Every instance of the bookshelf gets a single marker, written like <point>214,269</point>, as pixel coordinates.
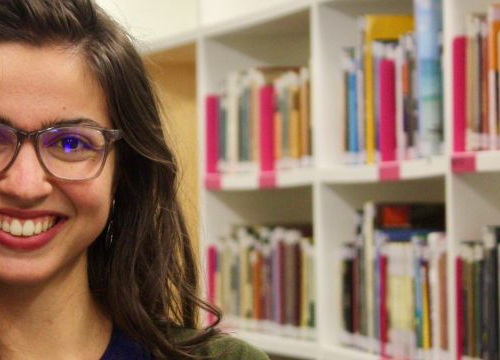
<point>327,194</point>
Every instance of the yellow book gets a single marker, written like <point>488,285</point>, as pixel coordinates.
<point>426,321</point>
<point>378,28</point>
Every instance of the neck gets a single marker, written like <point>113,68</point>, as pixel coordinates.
<point>58,319</point>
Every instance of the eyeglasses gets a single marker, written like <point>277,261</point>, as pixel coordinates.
<point>67,152</point>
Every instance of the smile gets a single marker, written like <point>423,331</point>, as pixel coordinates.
<point>27,227</point>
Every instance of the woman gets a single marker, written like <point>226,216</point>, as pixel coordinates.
<point>95,260</point>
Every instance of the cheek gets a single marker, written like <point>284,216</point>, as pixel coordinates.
<point>92,199</point>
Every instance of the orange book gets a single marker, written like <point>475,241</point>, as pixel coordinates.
<point>256,259</point>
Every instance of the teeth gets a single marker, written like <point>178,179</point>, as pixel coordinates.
<point>5,226</point>
<point>38,228</point>
<point>28,228</point>
<point>16,228</point>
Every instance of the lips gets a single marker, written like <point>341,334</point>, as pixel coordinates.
<point>31,230</point>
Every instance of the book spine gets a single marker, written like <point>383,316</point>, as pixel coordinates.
<point>493,73</point>
<point>305,115</point>
<point>428,18</point>
<point>266,128</point>
<point>352,112</point>
<point>387,110</point>
<point>459,314</point>
<point>212,138</point>
<point>459,93</point>
<point>232,121</point>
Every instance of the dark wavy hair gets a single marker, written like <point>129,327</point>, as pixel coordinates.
<point>146,278</point>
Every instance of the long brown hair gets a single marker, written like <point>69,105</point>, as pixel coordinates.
<point>142,268</point>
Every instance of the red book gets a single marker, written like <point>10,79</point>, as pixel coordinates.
<point>266,135</point>
<point>459,93</point>
<point>387,94</point>
<point>212,133</point>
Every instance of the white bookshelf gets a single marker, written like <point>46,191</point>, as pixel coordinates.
<point>313,32</point>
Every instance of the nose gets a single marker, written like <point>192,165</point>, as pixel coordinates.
<point>25,182</point>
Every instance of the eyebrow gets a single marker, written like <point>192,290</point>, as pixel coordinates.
<point>56,122</point>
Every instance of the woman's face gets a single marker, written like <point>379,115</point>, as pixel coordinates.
<point>41,87</point>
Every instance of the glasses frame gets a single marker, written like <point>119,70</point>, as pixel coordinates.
<point>110,136</point>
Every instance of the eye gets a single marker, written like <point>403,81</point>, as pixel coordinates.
<point>71,143</point>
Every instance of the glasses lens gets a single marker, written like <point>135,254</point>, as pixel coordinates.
<point>72,152</point>
<point>8,144</point>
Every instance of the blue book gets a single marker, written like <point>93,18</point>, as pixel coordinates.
<point>353,112</point>
<point>429,25</point>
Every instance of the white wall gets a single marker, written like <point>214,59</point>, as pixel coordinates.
<point>213,11</point>
<point>150,21</point>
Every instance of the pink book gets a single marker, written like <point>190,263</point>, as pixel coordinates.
<point>459,93</point>
<point>212,133</point>
<point>387,94</point>
<point>212,273</point>
<point>266,128</point>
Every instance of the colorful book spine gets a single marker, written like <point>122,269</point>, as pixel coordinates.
<point>266,134</point>
<point>387,95</point>
<point>378,27</point>
<point>428,25</point>
<point>493,73</point>
<point>212,136</point>
<point>459,93</point>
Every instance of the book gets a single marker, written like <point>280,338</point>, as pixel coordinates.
<point>387,84</point>
<point>266,134</point>
<point>438,292</point>
<point>212,133</point>
<point>493,73</point>
<point>377,27</point>
<point>428,29</point>
<point>490,238</point>
<point>459,93</point>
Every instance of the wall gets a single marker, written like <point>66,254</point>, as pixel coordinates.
<point>175,79</point>
<point>151,21</point>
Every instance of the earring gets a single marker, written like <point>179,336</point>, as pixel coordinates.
<point>109,230</point>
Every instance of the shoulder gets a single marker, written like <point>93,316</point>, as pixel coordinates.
<point>226,347</point>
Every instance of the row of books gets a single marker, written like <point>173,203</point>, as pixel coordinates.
<point>263,279</point>
<point>394,282</point>
<point>260,121</point>
<point>477,296</point>
<point>476,82</point>
<point>392,86</point>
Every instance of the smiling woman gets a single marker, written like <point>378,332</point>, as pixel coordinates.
<point>95,260</point>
